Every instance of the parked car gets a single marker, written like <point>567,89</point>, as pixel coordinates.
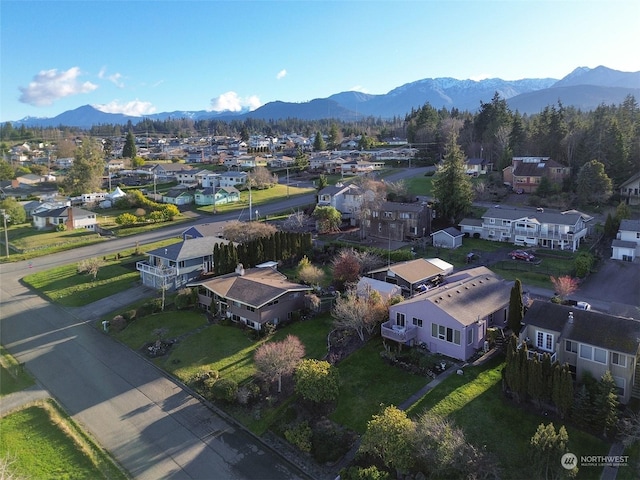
<point>583,305</point>
<point>522,255</point>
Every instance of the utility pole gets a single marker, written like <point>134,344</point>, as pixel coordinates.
<point>6,236</point>
<point>287,182</point>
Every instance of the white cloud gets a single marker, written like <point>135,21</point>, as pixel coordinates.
<point>232,102</point>
<point>281,74</point>
<point>115,78</point>
<point>50,85</point>
<point>135,108</point>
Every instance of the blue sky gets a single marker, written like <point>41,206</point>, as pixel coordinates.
<point>140,57</point>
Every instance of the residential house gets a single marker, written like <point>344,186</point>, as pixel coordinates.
<point>167,171</point>
<point>413,276</point>
<point>626,245</point>
<point>254,296</point>
<point>175,265</point>
<point>217,196</point>
<point>188,176</point>
<point>347,199</point>
<point>115,164</point>
<point>66,162</point>
<point>525,173</point>
<point>452,319</point>
<point>630,190</point>
<point>361,167</point>
<point>478,166</point>
<point>447,238</point>
<point>233,179</point>
<point>532,228</point>
<point>178,197</point>
<point>400,221</point>
<point>386,290</point>
<point>40,206</point>
<point>71,217</point>
<point>587,340</point>
<point>208,179</point>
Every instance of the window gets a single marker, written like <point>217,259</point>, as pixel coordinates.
<point>586,352</point>
<point>619,359</point>
<point>492,220</point>
<point>469,337</point>
<point>400,319</point>
<point>570,346</point>
<point>445,333</point>
<point>599,355</point>
<point>417,322</point>
<point>250,308</point>
<point>620,384</point>
<point>544,341</point>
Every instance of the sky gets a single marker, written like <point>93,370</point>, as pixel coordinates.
<point>140,57</point>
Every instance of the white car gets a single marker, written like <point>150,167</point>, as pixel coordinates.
<point>583,306</point>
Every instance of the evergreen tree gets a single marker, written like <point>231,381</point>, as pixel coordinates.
<point>452,186</point>
<point>516,308</point>
<point>593,184</point>
<point>606,403</point>
<point>129,148</point>
<point>318,142</point>
<point>535,381</point>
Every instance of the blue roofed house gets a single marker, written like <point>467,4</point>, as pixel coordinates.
<point>175,265</point>
<point>452,319</point>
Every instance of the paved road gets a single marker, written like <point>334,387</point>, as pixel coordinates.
<point>149,423</point>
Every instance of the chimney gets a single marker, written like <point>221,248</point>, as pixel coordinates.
<point>570,318</point>
<point>70,218</point>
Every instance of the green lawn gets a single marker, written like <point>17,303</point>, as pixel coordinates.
<point>47,444</point>
<point>366,383</point>
<point>420,185</point>
<point>13,377</point>
<point>141,331</point>
<point>474,401</point>
<point>258,197</point>
<point>67,287</point>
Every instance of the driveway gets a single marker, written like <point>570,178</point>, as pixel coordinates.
<point>615,282</point>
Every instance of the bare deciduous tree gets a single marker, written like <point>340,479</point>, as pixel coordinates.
<point>277,359</point>
<point>242,232</point>
<point>360,314</point>
<point>90,266</point>
<point>261,177</point>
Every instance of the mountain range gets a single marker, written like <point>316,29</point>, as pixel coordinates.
<point>584,88</point>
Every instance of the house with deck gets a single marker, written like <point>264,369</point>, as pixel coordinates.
<point>413,276</point>
<point>400,221</point>
<point>452,319</point>
<point>253,297</point>
<point>173,266</point>
<point>588,341</point>
<point>525,173</point>
<point>531,227</point>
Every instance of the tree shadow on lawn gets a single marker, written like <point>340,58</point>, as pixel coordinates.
<point>475,402</point>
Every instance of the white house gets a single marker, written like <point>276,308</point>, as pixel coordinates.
<point>231,179</point>
<point>630,190</point>
<point>347,199</point>
<point>71,217</point>
<point>626,246</point>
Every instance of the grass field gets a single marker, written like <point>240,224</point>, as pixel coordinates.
<point>42,442</point>
<point>474,401</point>
<point>64,285</point>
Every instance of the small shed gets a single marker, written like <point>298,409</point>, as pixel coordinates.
<point>447,238</point>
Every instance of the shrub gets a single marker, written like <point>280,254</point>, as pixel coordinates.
<point>300,436</point>
<point>583,264</point>
<point>225,389</point>
<point>364,473</point>
<point>129,315</point>
<point>118,323</point>
<point>329,442</point>
<point>247,393</point>
<point>202,375</point>
<point>185,298</point>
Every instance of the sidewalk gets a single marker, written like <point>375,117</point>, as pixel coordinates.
<point>16,400</point>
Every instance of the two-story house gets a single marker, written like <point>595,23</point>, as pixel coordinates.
<point>626,245</point>
<point>347,199</point>
<point>216,196</point>
<point>452,319</point>
<point>532,228</point>
<point>175,265</point>
<point>399,221</point>
<point>253,296</point>
<point>233,179</point>
<point>525,173</point>
<point>630,190</point>
<point>588,341</point>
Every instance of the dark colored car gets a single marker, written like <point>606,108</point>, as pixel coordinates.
<point>522,255</point>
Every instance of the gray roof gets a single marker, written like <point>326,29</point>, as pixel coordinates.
<point>511,213</point>
<point>472,222</point>
<point>623,243</point>
<point>188,249</point>
<point>630,225</point>
<point>451,231</point>
<point>481,293</point>
<point>590,327</point>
